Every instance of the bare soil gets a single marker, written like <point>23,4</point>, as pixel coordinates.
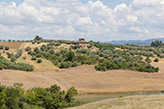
<point>12,45</point>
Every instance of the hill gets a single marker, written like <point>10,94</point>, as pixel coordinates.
<point>135,42</point>
<point>131,102</point>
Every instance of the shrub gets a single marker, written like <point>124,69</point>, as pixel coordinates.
<point>24,57</point>
<point>28,48</point>
<point>51,51</point>
<point>156,60</point>
<point>33,42</point>
<point>38,55</point>
<point>13,59</point>
<point>65,64</point>
<point>43,48</point>
<point>38,42</point>
<point>0,68</point>
<point>36,49</point>
<point>33,58</point>
<point>74,64</point>
<point>19,53</point>
<point>39,61</point>
<point>1,47</point>
<point>7,48</point>
<point>70,55</point>
<point>63,51</point>
<point>57,44</point>
<point>148,60</point>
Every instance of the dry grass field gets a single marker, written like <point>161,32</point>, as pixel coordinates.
<point>87,80</point>
<point>132,102</point>
<point>12,45</point>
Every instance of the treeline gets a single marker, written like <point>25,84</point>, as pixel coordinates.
<point>107,57</point>
<point>157,43</point>
<point>5,64</point>
<point>147,51</point>
<point>15,97</point>
<point>139,66</point>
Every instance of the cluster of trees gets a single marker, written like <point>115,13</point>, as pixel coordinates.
<point>15,97</point>
<point>16,56</point>
<point>4,48</point>
<point>157,43</point>
<point>148,51</point>
<point>64,58</point>
<point>103,46</point>
<point>5,64</point>
<point>138,66</point>
<point>116,59</point>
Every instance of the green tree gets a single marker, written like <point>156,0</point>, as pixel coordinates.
<point>70,93</point>
<point>70,55</point>
<point>37,38</point>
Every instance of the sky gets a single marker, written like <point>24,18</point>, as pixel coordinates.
<point>98,20</point>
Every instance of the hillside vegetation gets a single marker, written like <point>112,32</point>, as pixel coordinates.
<point>5,64</point>
<point>15,97</point>
<point>104,56</point>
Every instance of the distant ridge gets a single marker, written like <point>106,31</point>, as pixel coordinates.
<point>135,42</point>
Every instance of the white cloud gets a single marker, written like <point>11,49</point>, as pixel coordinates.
<point>72,19</point>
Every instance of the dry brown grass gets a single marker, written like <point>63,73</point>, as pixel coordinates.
<point>12,45</point>
<point>46,65</point>
<point>87,80</point>
<point>132,102</point>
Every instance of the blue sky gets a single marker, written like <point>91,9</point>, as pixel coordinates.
<point>110,3</point>
<point>102,20</point>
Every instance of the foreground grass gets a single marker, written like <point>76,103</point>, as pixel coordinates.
<point>132,102</point>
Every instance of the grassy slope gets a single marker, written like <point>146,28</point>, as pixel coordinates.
<point>131,102</point>
<point>85,78</point>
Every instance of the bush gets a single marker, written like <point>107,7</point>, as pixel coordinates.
<point>70,55</point>
<point>28,48</point>
<point>65,64</point>
<point>5,64</point>
<point>7,48</point>
<point>24,57</point>
<point>156,60</point>
<point>148,60</point>
<point>33,58</point>
<point>39,61</point>
<point>51,51</point>
<point>19,53</point>
<point>38,55</point>
<point>43,48</point>
<point>38,42</point>
<point>57,44</point>
<point>15,97</point>
<point>0,68</point>
<point>74,64</point>
<point>13,59</point>
<point>33,42</point>
<point>1,47</point>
